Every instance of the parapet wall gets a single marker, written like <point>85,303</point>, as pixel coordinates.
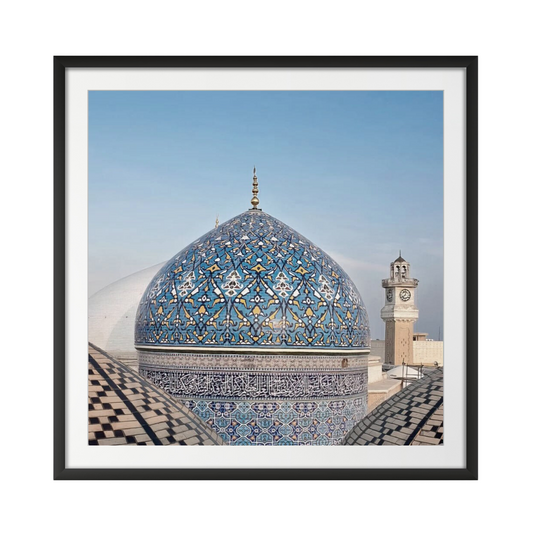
<point>377,350</point>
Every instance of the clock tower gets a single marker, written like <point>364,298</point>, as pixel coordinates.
<point>399,313</point>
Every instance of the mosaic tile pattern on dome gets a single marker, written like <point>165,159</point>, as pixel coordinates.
<point>252,282</point>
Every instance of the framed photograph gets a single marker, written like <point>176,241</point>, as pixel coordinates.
<point>265,268</point>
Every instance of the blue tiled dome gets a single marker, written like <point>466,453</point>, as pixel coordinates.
<point>253,282</point>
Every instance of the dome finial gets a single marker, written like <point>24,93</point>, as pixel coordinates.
<point>255,190</point>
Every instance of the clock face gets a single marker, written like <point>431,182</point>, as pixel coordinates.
<point>405,295</point>
<point>389,295</point>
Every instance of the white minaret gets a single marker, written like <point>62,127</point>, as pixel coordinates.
<point>399,313</point>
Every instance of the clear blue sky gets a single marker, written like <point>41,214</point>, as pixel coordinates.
<point>358,173</point>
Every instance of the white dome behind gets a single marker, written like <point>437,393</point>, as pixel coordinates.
<point>112,313</point>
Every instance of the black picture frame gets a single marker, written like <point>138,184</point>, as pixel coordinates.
<point>469,63</point>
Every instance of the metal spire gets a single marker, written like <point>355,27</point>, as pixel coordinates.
<point>255,190</point>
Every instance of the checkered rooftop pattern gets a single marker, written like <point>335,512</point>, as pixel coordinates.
<point>124,408</point>
<point>412,417</point>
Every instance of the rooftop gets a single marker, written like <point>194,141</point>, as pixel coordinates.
<point>124,408</point>
<point>413,416</point>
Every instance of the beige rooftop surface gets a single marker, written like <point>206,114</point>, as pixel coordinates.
<point>124,408</point>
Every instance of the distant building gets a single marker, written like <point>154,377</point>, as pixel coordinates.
<point>428,352</point>
<point>399,313</point>
<point>402,344</point>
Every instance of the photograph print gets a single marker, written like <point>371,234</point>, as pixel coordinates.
<point>265,268</point>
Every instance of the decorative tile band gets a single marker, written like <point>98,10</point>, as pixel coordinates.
<point>169,361</point>
<point>282,423</point>
<point>257,386</point>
